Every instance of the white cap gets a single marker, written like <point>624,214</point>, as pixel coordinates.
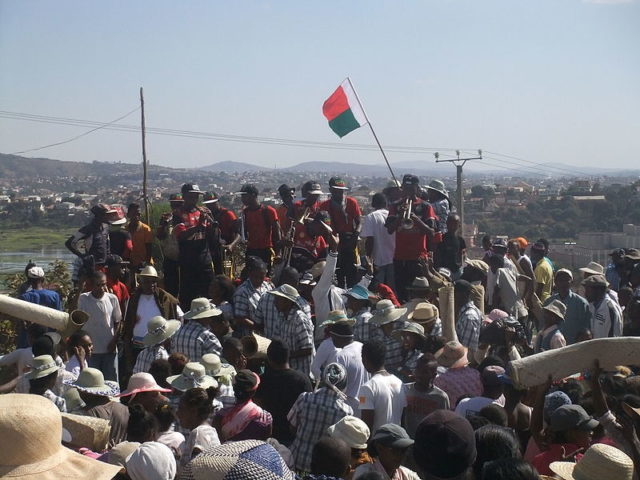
<point>151,460</point>
<point>35,272</point>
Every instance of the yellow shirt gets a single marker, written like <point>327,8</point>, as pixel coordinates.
<point>140,237</point>
<point>544,276</point>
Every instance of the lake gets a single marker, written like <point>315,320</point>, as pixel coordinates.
<point>13,262</point>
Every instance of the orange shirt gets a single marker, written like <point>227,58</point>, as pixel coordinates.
<point>140,237</point>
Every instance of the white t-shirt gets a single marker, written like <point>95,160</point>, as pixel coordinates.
<point>384,244</point>
<point>73,366</point>
<point>385,396</point>
<point>147,309</point>
<point>104,314</point>
<point>350,357</point>
<point>472,406</point>
<point>326,351</point>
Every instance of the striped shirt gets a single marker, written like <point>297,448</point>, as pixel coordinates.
<point>147,356</point>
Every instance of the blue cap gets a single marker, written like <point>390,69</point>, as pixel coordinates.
<point>359,292</point>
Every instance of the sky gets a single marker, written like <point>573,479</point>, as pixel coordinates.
<point>546,81</point>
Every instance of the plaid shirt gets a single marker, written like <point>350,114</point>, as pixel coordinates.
<point>312,413</point>
<point>393,359</point>
<point>410,359</point>
<point>267,315</point>
<point>296,331</point>
<point>245,301</point>
<point>147,356</point>
<point>468,326</point>
<point>364,330</point>
<point>194,340</point>
<point>57,401</point>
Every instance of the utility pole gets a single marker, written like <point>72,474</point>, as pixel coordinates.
<point>145,198</point>
<point>459,163</point>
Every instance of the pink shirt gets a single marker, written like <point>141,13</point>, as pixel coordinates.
<point>457,382</point>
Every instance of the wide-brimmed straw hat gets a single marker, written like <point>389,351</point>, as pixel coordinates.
<point>86,432</point>
<point>142,382</point>
<point>410,327</point>
<point>452,355</point>
<point>193,376</point>
<point>148,271</point>
<point>286,291</point>
<point>593,268</point>
<point>478,264</point>
<point>338,316</point>
<point>599,462</point>
<point>92,381</point>
<point>159,329</point>
<point>386,312</point>
<point>352,430</point>
<point>31,429</point>
<point>42,366</point>
<point>438,186</point>
<point>424,313</point>
<point>213,366</point>
<point>202,308</point>
<point>419,283</point>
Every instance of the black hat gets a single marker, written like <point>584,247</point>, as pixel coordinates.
<point>445,445</point>
<point>115,260</point>
<point>284,188</point>
<point>102,209</point>
<point>248,189</point>
<point>392,435</point>
<point>499,243</point>
<point>462,286</point>
<point>571,417</point>
<point>312,188</point>
<point>409,179</point>
<point>191,188</point>
<point>342,329</point>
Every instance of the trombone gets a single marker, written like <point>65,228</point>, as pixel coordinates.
<point>407,223</point>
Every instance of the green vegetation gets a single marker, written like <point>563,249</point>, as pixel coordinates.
<point>16,239</point>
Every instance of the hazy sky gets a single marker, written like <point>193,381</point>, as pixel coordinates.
<point>545,80</point>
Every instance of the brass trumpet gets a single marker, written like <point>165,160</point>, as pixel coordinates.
<point>407,223</point>
<point>305,215</point>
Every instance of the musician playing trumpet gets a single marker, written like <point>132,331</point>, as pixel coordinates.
<point>413,222</point>
<point>227,226</point>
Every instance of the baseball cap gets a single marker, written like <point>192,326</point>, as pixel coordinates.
<point>190,188</point>
<point>522,242</point>
<point>312,188</point>
<point>284,188</point>
<point>210,197</point>
<point>339,183</point>
<point>409,179</point>
<point>392,435</point>
<point>500,243</point>
<point>566,271</point>
<point>572,417</point>
<point>176,197</point>
<point>102,209</point>
<point>115,260</point>
<point>248,189</point>
<point>492,375</point>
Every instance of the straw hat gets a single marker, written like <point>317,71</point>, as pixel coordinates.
<point>338,316</point>
<point>419,283</point>
<point>386,312</point>
<point>193,376</point>
<point>159,329</point>
<point>558,308</point>
<point>286,291</point>
<point>352,430</point>
<point>31,429</point>
<point>91,380</point>
<point>88,432</point>
<point>452,355</point>
<point>424,312</point>
<point>73,400</point>
<point>478,264</point>
<point>148,271</point>
<point>213,366</point>
<point>142,382</point>
<point>599,462</point>
<point>438,186</point>
<point>593,268</point>
<point>42,366</point>
<point>412,327</point>
<point>202,308</point>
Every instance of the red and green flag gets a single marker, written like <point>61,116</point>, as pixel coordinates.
<point>343,110</point>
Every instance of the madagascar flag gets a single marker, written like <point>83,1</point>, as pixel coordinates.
<point>343,110</point>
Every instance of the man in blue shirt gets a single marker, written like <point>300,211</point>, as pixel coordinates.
<point>38,294</point>
<point>577,319</point>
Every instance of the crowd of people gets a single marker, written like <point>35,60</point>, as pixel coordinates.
<point>342,345</point>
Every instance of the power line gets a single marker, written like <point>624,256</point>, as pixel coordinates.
<point>77,136</point>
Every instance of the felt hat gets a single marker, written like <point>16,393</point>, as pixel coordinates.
<point>238,460</point>
<point>595,281</point>
<point>386,312</point>
<point>410,327</point>
<point>478,264</point>
<point>142,382</point>
<point>452,355</point>
<point>419,283</point>
<point>151,460</point>
<point>86,432</point>
<point>114,259</point>
<point>213,366</point>
<point>599,461</point>
<point>392,435</point>
<point>31,429</point>
<point>338,183</point>
<point>193,376</point>
<point>593,268</point>
<point>202,308</point>
<point>556,307</point>
<point>148,271</point>
<point>338,316</point>
<point>352,430</point>
<point>424,313</point>
<point>210,197</point>
<point>92,381</point>
<point>35,272</point>
<point>159,329</point>
<point>317,268</point>
<point>438,186</point>
<point>286,291</point>
<point>358,292</point>
<point>42,366</point>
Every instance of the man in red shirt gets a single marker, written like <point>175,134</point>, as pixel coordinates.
<point>306,208</point>
<point>261,226</point>
<point>411,237</point>
<point>311,248</point>
<point>227,228</point>
<point>345,215</point>
<point>115,272</point>
<point>286,209</point>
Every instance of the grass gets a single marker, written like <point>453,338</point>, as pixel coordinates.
<point>19,239</point>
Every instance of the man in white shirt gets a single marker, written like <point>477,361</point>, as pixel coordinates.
<point>103,325</point>
<point>382,399</point>
<point>606,318</point>
<point>379,243</point>
<point>493,388</point>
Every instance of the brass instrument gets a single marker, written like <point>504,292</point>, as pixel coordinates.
<point>228,268</point>
<point>305,215</point>
<point>243,230</point>
<point>407,223</point>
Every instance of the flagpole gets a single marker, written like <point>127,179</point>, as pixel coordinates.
<point>372,130</point>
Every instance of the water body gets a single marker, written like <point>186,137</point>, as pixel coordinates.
<point>12,262</point>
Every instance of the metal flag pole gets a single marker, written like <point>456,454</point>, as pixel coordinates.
<point>372,130</point>
<point>144,159</point>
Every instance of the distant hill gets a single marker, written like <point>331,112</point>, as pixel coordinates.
<point>234,167</point>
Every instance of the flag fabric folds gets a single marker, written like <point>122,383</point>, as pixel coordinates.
<point>343,110</point>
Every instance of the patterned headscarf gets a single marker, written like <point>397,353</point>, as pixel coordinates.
<point>335,378</point>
